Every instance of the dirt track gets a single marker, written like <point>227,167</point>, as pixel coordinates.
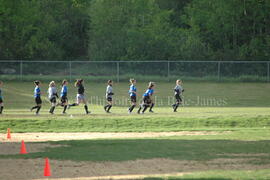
<point>41,137</point>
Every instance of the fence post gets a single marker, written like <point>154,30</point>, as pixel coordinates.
<point>219,70</point>
<point>168,74</point>
<point>21,70</point>
<point>117,75</point>
<point>268,73</point>
<point>70,73</point>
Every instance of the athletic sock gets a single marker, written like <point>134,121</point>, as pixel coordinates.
<point>145,107</point>
<point>35,107</point>
<point>110,106</point>
<point>65,108</point>
<point>131,108</point>
<point>52,109</point>
<point>39,107</point>
<point>152,105</point>
<point>175,107</point>
<point>139,110</point>
<point>86,109</point>
<point>1,109</point>
<point>105,107</point>
<point>74,104</point>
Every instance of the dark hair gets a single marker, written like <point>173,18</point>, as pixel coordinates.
<point>132,81</point>
<point>37,82</point>
<point>78,82</point>
<point>64,81</point>
<point>110,81</point>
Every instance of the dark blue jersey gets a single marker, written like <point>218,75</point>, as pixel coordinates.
<point>64,91</point>
<point>37,92</point>
<point>0,93</point>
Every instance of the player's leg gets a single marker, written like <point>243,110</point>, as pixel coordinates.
<point>53,105</point>
<point>133,103</point>
<point>1,106</point>
<point>83,100</point>
<point>109,99</point>
<point>39,103</point>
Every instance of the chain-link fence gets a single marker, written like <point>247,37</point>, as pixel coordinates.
<point>143,70</point>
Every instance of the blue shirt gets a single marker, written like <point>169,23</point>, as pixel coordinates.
<point>37,92</point>
<point>132,89</point>
<point>0,93</point>
<point>64,91</point>
<point>148,92</point>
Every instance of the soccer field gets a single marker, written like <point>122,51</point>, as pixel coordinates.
<point>227,141</point>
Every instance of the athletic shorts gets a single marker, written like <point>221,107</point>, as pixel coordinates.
<point>178,98</point>
<point>1,100</point>
<point>38,100</point>
<point>133,99</point>
<point>109,99</point>
<point>53,100</point>
<point>80,98</point>
<point>64,99</point>
<point>147,100</point>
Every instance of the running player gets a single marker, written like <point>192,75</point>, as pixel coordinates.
<point>52,95</point>
<point>63,95</point>
<point>178,90</point>
<point>147,98</point>
<point>109,94</point>
<point>1,98</point>
<point>133,95</point>
<point>80,96</point>
<point>37,95</point>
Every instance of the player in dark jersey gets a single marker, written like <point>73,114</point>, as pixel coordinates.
<point>109,94</point>
<point>80,96</point>
<point>1,98</point>
<point>63,95</point>
<point>147,98</point>
<point>133,95</point>
<point>178,90</point>
<point>37,95</point>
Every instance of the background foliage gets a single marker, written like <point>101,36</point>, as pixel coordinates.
<point>135,29</point>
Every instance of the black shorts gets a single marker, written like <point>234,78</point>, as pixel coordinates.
<point>1,100</point>
<point>178,98</point>
<point>133,99</point>
<point>147,100</point>
<point>53,100</point>
<point>109,99</point>
<point>38,100</point>
<point>64,99</point>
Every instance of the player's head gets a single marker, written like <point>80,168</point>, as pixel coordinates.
<point>64,82</point>
<point>78,82</point>
<point>178,81</point>
<point>151,85</point>
<point>1,83</point>
<point>52,84</point>
<point>110,82</point>
<point>37,82</point>
<point>132,81</point>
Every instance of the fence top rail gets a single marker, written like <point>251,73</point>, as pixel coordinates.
<point>162,61</point>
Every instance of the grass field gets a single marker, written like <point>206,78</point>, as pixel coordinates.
<point>238,112</point>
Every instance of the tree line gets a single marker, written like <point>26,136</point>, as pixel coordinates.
<point>135,30</point>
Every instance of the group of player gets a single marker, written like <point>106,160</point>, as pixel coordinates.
<point>147,99</point>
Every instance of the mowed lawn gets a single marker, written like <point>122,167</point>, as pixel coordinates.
<point>240,109</point>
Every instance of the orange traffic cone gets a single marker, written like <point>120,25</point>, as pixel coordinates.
<point>23,148</point>
<point>8,134</point>
<point>47,171</point>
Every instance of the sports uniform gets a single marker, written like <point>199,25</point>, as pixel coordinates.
<point>109,93</point>
<point>64,99</point>
<point>38,100</point>
<point>147,102</point>
<point>80,96</point>
<point>177,94</point>
<point>133,97</point>
<point>52,95</point>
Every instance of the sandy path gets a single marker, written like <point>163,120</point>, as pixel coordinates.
<point>39,137</point>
